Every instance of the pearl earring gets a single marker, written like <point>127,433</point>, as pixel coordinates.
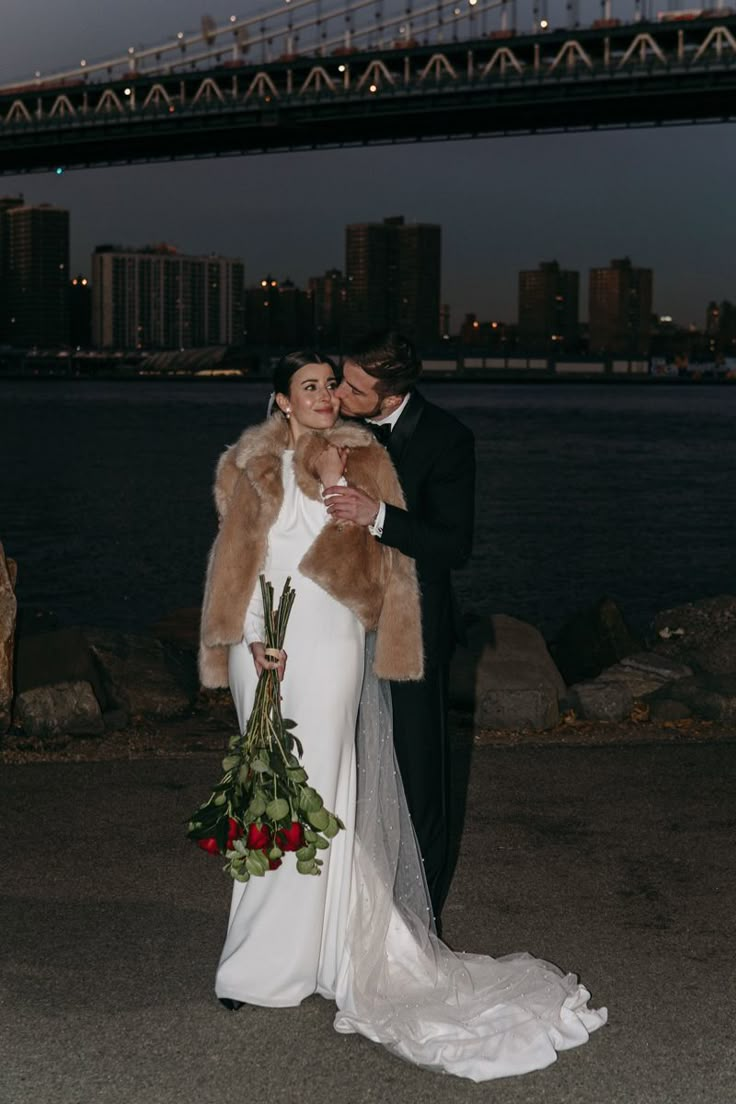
<point>287,413</point>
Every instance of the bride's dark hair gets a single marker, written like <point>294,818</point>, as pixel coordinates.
<point>291,363</point>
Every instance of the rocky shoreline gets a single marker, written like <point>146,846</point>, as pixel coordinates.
<point>85,693</point>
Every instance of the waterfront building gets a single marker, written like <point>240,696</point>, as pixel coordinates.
<point>394,273</point>
<point>80,312</point>
<point>158,298</point>
<point>277,314</point>
<point>720,328</point>
<point>34,266</point>
<point>328,299</point>
<point>620,307</point>
<point>7,203</point>
<point>548,309</point>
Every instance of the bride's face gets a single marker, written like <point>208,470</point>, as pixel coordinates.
<point>311,402</point>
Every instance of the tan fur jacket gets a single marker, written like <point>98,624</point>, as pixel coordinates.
<point>376,582</point>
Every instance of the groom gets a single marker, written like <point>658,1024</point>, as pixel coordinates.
<point>434,456</point>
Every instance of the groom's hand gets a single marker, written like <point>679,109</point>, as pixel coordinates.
<point>350,504</point>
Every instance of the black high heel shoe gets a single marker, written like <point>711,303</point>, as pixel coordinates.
<point>231,1005</point>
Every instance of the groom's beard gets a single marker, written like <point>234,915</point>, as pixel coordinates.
<point>362,414</point>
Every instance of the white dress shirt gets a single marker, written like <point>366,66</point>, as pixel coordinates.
<point>390,420</point>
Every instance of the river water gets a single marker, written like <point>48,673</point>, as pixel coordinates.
<point>583,490</point>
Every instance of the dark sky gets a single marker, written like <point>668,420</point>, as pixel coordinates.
<point>664,197</point>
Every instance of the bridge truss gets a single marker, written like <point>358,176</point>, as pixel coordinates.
<point>291,81</point>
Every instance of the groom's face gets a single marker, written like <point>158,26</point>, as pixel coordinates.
<point>358,393</point>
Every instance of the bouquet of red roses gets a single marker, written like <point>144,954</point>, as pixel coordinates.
<point>263,806</point>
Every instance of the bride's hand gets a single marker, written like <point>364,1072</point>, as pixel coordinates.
<point>267,663</point>
<point>331,465</point>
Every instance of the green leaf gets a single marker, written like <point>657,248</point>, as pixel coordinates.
<point>277,809</point>
<point>321,843</point>
<point>297,774</point>
<point>309,800</point>
<point>220,799</point>
<point>253,866</point>
<point>332,827</point>
<point>275,853</point>
<point>308,867</point>
<point>260,764</point>
<point>319,819</point>
<point>230,761</point>
<point>306,853</point>
<point>256,808</point>
<point>287,724</point>
<point>245,877</point>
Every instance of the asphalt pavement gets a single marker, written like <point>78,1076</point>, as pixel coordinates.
<point>617,863</point>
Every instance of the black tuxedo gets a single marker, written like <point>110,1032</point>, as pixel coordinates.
<point>434,455</point>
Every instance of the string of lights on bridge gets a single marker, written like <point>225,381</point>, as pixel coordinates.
<point>291,28</point>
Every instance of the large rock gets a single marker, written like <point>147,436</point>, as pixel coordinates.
<point>142,675</point>
<point>644,673</point>
<point>712,697</point>
<point>180,627</point>
<point>45,659</point>
<point>68,708</point>
<point>8,613</point>
<point>701,634</point>
<point>506,676</point>
<point>593,640</point>
<point>601,699</point>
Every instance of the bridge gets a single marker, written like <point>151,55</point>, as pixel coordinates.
<point>318,74</point>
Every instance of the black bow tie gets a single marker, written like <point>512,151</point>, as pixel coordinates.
<point>381,431</point>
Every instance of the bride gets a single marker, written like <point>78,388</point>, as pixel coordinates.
<point>364,931</point>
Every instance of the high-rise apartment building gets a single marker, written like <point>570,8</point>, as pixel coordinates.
<point>620,306</point>
<point>277,314</point>
<point>34,272</point>
<point>548,308</point>
<point>7,203</point>
<point>158,298</point>
<point>393,272</point>
<point>328,298</point>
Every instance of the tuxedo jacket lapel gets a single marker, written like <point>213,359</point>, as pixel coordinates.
<point>403,431</point>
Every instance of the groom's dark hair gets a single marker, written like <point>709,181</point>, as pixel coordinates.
<point>391,359</point>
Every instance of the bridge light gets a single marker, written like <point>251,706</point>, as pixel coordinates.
<point>59,170</point>
<point>127,91</point>
<point>341,68</point>
<point>180,35</point>
<point>472,3</point>
<point>543,24</point>
<point>83,63</point>
<point>131,49</point>
<point>373,88</point>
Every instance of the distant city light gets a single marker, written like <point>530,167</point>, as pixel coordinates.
<point>58,170</point>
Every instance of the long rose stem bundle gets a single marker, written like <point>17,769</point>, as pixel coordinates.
<point>262,807</point>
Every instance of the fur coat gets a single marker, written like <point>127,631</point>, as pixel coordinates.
<point>376,582</point>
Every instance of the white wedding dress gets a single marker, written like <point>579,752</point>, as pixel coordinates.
<point>361,934</point>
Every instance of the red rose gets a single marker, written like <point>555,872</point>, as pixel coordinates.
<point>209,845</point>
<point>274,864</point>
<point>258,838</point>
<point>234,831</point>
<point>291,838</point>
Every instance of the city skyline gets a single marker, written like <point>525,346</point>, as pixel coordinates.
<point>656,195</point>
